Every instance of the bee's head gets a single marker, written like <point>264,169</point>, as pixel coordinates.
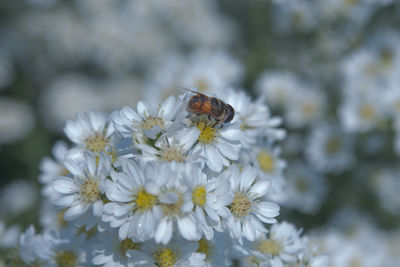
<point>230,113</point>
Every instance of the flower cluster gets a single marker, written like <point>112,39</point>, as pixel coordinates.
<point>164,186</point>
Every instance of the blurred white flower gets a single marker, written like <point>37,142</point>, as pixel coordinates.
<point>16,197</point>
<point>16,120</point>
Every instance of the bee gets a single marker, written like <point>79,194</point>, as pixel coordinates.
<point>215,108</point>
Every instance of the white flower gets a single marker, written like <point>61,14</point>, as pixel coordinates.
<point>84,189</point>
<point>134,206</point>
<point>306,189</point>
<point>208,198</point>
<point>178,253</point>
<point>16,120</point>
<point>91,131</point>
<point>248,213</point>
<point>329,149</point>
<point>217,146</point>
<point>176,148</point>
<point>172,202</point>
<point>277,87</point>
<point>255,117</point>
<point>147,121</point>
<point>62,248</point>
<point>51,168</point>
<point>306,107</point>
<point>27,245</point>
<point>109,250</point>
<point>282,245</point>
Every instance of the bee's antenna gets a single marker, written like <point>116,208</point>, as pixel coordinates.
<point>194,92</point>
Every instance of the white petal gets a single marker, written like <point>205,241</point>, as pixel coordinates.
<point>260,188</point>
<point>65,201</point>
<point>75,211</point>
<point>187,227</point>
<point>65,186</point>
<point>164,232</point>
<point>73,167</point>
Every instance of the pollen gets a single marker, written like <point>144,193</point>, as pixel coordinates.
<point>207,133</point>
<point>90,190</point>
<point>165,257</point>
<point>270,247</point>
<point>144,200</point>
<point>96,143</point>
<point>151,122</point>
<point>127,244</point>
<point>309,108</point>
<point>66,258</point>
<point>240,206</point>
<point>199,195</point>
<point>266,161</point>
<point>172,154</point>
<point>173,209</point>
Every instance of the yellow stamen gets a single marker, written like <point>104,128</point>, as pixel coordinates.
<point>66,259</point>
<point>240,206</point>
<point>199,196</point>
<point>128,244</point>
<point>90,191</point>
<point>165,257</point>
<point>96,143</point>
<point>144,200</point>
<point>266,161</point>
<point>207,133</point>
<point>270,247</point>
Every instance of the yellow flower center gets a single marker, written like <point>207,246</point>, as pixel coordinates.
<point>144,200</point>
<point>333,145</point>
<point>240,206</point>
<point>151,122</point>
<point>90,191</point>
<point>367,111</point>
<point>207,133</point>
<point>172,154</point>
<point>266,161</point>
<point>173,209</point>
<point>270,247</point>
<point>165,257</point>
<point>96,143</point>
<point>204,247</point>
<point>199,195</point>
<point>127,244</point>
<point>66,259</point>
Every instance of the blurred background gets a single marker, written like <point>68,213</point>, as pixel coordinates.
<point>329,68</point>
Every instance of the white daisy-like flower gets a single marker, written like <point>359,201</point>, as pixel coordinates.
<point>51,168</point>
<point>134,206</point>
<point>310,255</point>
<point>255,117</point>
<point>362,113</point>
<point>90,131</point>
<point>27,246</point>
<point>277,87</point>
<point>218,251</point>
<point>282,245</point>
<point>177,148</point>
<point>306,106</point>
<point>329,149</point>
<point>266,157</point>
<point>110,250</point>
<point>217,146</point>
<point>172,202</point>
<point>147,121</point>
<point>306,188</point>
<point>177,253</point>
<point>62,248</point>
<point>248,213</point>
<point>208,198</point>
<point>83,192</point>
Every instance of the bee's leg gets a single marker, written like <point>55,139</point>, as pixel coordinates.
<point>216,123</point>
